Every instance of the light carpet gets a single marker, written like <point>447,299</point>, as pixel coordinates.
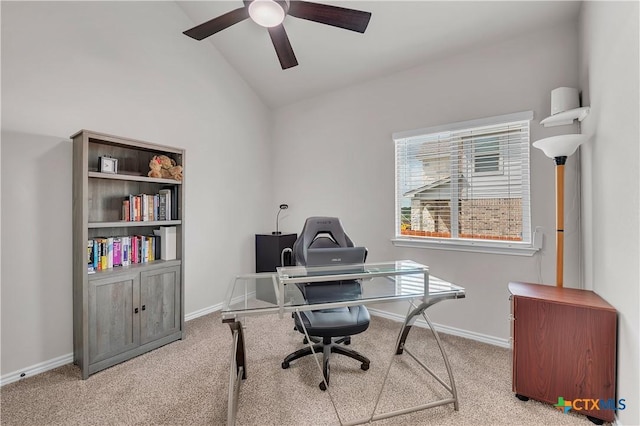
<point>186,383</point>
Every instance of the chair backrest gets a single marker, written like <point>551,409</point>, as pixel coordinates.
<point>319,232</point>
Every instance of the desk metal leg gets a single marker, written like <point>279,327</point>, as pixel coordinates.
<point>408,322</point>
<point>237,370</point>
<point>400,348</point>
<point>451,389</point>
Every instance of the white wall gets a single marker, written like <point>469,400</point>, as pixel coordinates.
<point>335,157</point>
<point>609,80</point>
<point>123,68</point>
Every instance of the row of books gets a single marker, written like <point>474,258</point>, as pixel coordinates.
<point>150,207</point>
<point>109,252</point>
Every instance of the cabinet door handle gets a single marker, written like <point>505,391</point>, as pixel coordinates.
<point>144,307</point>
<point>135,311</point>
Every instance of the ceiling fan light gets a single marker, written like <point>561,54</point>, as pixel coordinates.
<point>266,13</point>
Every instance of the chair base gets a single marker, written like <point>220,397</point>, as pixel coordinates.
<point>327,347</point>
<point>346,340</point>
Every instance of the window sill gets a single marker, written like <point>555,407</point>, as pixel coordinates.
<point>492,247</point>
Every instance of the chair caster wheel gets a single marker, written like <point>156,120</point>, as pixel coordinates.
<point>322,386</point>
<point>365,366</point>
<point>305,341</point>
<point>285,365</point>
<point>347,341</point>
<point>522,397</point>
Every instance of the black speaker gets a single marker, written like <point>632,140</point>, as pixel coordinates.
<point>268,251</point>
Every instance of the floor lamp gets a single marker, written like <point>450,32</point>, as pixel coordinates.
<point>559,148</point>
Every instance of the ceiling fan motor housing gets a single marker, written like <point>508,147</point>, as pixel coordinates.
<point>284,4</point>
<point>271,13</point>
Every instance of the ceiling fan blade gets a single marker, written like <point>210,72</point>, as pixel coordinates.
<point>283,47</point>
<point>349,19</point>
<point>211,27</point>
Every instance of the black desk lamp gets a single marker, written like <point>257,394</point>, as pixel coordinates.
<point>282,207</point>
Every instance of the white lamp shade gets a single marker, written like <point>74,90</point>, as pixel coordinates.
<point>266,13</point>
<point>560,146</point>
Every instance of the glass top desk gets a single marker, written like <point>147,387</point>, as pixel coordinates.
<point>277,293</point>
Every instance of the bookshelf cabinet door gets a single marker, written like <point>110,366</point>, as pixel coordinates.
<point>160,303</point>
<point>114,327</point>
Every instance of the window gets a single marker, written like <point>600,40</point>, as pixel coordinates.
<point>486,155</point>
<point>465,185</point>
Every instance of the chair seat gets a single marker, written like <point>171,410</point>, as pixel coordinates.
<point>334,322</point>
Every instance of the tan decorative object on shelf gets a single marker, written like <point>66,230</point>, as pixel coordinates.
<point>164,167</point>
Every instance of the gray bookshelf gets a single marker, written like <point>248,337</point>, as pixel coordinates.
<point>124,311</point>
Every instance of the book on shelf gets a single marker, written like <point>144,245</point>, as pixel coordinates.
<point>110,252</point>
<point>90,255</point>
<point>125,250</point>
<point>162,206</point>
<point>136,208</point>
<point>105,253</point>
<point>133,250</point>
<point>96,255</point>
<point>156,207</point>
<point>158,250</point>
<point>126,211</point>
<point>167,194</point>
<point>174,204</point>
<point>144,207</point>
<point>151,241</point>
<point>132,208</point>
<point>117,251</point>
<point>150,207</point>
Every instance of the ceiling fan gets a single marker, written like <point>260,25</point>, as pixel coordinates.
<point>271,13</point>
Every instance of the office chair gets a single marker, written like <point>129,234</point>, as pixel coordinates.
<point>328,327</point>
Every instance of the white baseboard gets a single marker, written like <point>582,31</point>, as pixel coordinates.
<point>67,359</point>
<point>203,311</point>
<point>36,369</point>
<point>492,340</point>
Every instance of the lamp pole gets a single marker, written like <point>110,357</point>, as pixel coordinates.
<point>560,161</point>
<point>559,148</point>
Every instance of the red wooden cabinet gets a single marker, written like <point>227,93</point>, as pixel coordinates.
<point>564,345</point>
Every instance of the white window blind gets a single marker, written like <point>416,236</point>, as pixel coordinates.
<point>466,182</point>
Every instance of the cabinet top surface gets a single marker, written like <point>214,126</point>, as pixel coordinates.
<point>568,296</point>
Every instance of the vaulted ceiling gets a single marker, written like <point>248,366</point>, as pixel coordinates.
<point>401,35</point>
